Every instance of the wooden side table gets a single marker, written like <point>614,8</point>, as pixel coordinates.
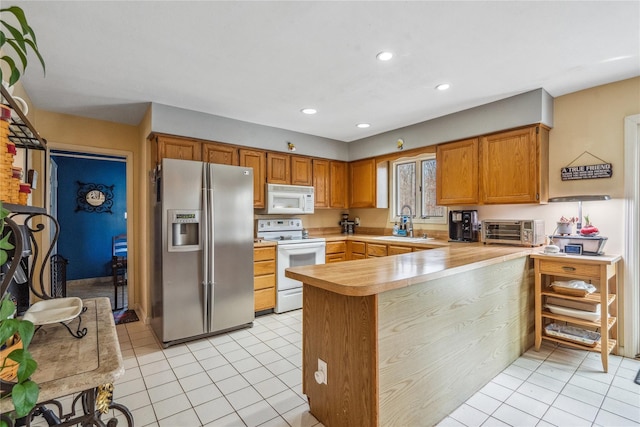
<point>602,272</point>
<point>84,367</point>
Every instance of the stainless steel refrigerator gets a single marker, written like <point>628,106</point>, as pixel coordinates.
<point>202,275</point>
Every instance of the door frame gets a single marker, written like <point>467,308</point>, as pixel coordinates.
<point>631,286</point>
<point>131,245</point>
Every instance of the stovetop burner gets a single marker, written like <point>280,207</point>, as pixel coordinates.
<point>283,231</point>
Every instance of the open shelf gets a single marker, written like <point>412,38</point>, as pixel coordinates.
<point>21,131</point>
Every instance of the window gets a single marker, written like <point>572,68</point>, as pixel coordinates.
<point>414,185</point>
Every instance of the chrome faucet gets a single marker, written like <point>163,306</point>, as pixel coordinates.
<point>410,229</point>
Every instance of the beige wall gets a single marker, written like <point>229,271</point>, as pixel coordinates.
<point>87,135</point>
<point>592,121</point>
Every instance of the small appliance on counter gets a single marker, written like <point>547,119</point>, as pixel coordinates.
<point>348,227</point>
<point>463,226</point>
<point>518,232</point>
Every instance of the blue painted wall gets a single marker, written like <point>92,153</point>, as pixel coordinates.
<point>85,237</point>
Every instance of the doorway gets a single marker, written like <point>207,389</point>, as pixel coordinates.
<point>89,200</point>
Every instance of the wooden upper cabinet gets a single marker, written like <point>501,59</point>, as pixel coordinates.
<point>321,183</point>
<point>255,159</point>
<point>338,184</point>
<point>278,168</point>
<point>170,147</point>
<point>301,171</point>
<point>362,178</point>
<point>457,178</point>
<point>220,153</point>
<point>514,166</point>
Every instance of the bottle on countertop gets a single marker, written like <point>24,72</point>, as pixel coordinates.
<point>395,229</point>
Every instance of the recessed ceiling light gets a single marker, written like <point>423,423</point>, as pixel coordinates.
<point>443,86</point>
<point>309,110</point>
<point>363,125</point>
<point>384,56</point>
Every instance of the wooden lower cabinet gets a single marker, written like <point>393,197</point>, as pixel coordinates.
<point>356,250</point>
<point>376,250</point>
<point>336,252</point>
<point>264,277</point>
<point>397,250</point>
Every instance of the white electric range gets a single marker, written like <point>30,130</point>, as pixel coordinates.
<point>295,249</point>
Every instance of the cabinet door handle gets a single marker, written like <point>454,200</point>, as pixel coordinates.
<point>567,268</point>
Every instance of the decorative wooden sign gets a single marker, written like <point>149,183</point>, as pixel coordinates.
<point>595,171</point>
<point>602,170</point>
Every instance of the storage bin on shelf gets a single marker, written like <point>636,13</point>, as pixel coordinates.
<point>7,153</point>
<point>23,195</point>
<point>573,334</point>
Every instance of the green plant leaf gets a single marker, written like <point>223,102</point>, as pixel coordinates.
<point>4,242</point>
<point>17,36</point>
<point>34,46</point>
<point>20,51</point>
<point>19,14</point>
<point>27,365</point>
<point>8,327</point>
<point>24,397</point>
<point>26,330</point>
<point>7,307</point>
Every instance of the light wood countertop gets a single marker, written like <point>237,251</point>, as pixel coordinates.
<point>400,241</point>
<point>376,275</point>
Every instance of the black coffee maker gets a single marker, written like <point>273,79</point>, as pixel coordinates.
<point>463,226</point>
<point>348,227</point>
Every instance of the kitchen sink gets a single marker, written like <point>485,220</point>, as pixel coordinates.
<point>404,239</point>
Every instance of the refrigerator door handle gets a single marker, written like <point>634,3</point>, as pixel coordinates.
<point>205,247</point>
<point>210,240</point>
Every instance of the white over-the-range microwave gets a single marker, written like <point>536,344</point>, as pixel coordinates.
<point>289,199</point>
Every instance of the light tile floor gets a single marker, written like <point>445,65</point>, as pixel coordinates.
<point>252,377</point>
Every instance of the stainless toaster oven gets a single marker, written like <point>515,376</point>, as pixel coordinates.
<point>520,232</point>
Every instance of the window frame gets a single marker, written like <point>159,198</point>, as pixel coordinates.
<point>393,196</point>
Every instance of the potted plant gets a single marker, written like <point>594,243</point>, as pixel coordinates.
<point>17,38</point>
<point>16,363</point>
<point>565,225</point>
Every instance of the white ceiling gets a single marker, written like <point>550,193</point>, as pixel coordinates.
<point>264,61</point>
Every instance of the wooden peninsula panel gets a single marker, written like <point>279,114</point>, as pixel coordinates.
<point>345,339</point>
<point>440,342</point>
<point>409,338</point>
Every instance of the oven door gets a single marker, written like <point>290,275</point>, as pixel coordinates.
<point>295,255</point>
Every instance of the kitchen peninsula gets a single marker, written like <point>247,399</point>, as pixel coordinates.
<point>408,338</point>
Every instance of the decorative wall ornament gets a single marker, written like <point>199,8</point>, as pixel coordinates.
<point>94,197</point>
<point>600,170</point>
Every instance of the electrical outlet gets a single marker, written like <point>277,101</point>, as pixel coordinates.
<point>321,373</point>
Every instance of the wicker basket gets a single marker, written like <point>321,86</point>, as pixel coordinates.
<point>9,368</point>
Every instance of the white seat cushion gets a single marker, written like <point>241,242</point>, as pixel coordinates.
<point>54,311</point>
